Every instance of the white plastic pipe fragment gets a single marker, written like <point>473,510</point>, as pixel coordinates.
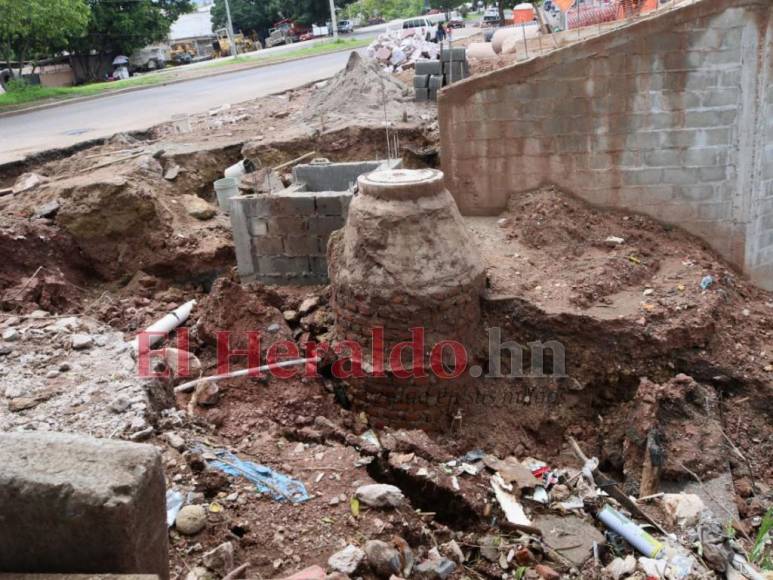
<point>159,329</point>
<point>632,533</point>
<point>185,387</point>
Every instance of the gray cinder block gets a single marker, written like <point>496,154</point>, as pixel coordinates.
<point>453,54</point>
<point>428,67</point>
<point>422,94</point>
<point>70,503</point>
<point>436,82</point>
<point>420,81</point>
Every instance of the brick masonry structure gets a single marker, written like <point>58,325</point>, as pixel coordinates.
<point>405,260</point>
<point>671,116</point>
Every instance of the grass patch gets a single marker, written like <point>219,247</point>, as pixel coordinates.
<point>21,94</point>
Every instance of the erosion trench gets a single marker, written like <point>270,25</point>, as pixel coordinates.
<point>478,392</point>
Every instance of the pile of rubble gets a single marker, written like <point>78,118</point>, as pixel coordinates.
<point>395,51</point>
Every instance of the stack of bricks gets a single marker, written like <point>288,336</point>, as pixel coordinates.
<point>282,238</point>
<point>432,75</point>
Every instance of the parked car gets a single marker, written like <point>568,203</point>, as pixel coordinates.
<point>345,26</point>
<point>374,21</point>
<point>412,25</point>
<point>456,22</point>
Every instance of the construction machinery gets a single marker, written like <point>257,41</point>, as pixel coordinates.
<point>222,44</point>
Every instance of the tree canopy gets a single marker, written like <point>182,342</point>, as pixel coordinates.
<point>260,15</point>
<point>122,26</point>
<point>33,29</point>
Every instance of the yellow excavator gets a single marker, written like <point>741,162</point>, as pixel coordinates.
<point>222,45</point>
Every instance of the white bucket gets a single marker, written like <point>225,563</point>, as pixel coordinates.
<point>225,189</point>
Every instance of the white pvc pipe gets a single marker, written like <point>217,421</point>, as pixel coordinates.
<point>185,387</point>
<point>165,325</point>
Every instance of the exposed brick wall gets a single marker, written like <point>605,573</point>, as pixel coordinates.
<point>282,237</point>
<point>666,116</point>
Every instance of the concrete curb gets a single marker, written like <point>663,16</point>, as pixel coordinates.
<point>108,93</point>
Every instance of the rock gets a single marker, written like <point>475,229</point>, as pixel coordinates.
<point>572,536</point>
<point>435,569</point>
<point>172,173</point>
<point>220,559</point>
<point>347,560</point>
<point>198,208</point>
<point>120,404</point>
<point>142,434</point>
<point>28,181</point>
<point>310,573</point>
<point>620,567</point>
<point>22,403</point>
<point>174,441</point>
<point>489,548</point>
<point>5,349</point>
<point>290,315</point>
<point>200,573</point>
<point>384,560</point>
<point>380,495</point>
<point>308,305</point>
<point>546,572</point>
<point>453,551</point>
<point>47,210</point>
<point>190,520</point>
<point>683,509</point>
<point>11,335</point>
<point>82,341</point>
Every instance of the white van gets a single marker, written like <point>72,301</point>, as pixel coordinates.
<point>410,26</point>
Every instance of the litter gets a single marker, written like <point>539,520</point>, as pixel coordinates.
<point>706,282</point>
<point>159,329</point>
<point>279,486</point>
<point>632,533</point>
<point>174,503</point>
<point>513,510</point>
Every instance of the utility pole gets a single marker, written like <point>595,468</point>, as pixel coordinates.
<point>231,40</point>
<point>333,22</point>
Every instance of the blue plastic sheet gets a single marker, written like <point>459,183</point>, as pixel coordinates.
<point>279,486</point>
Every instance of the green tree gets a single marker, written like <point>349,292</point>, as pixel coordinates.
<point>121,27</point>
<point>32,29</point>
<point>387,9</point>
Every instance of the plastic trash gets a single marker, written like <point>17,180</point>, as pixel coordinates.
<point>632,533</point>
<point>279,486</point>
<point>174,503</point>
<point>706,282</point>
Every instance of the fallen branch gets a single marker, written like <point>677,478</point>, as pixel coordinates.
<point>185,387</point>
<point>27,283</point>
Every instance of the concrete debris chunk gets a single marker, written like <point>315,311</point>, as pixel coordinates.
<point>347,560</point>
<point>116,489</point>
<point>380,495</point>
<point>220,559</point>
<point>27,181</point>
<point>435,569</point>
<point>82,341</point>
<point>198,208</point>
<point>683,509</point>
<point>11,335</point>
<point>572,536</point>
<point>621,567</point>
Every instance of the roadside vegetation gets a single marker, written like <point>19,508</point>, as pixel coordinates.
<point>21,93</point>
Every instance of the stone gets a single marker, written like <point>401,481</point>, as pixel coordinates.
<point>308,305</point>
<point>11,335</point>
<point>47,210</point>
<point>116,489</point>
<point>200,573</point>
<point>174,441</point>
<point>82,341</point>
<point>621,567</point>
<point>28,181</point>
<point>683,509</point>
<point>546,572</point>
<point>310,573</point>
<point>5,349</point>
<point>435,569</point>
<point>383,559</point>
<point>572,536</point>
<point>380,495</point>
<point>22,404</point>
<point>453,551</point>
<point>198,208</point>
<point>172,173</point>
<point>120,404</point>
<point>290,315</point>
<point>190,520</point>
<point>489,548</point>
<point>220,559</point>
<point>347,560</point>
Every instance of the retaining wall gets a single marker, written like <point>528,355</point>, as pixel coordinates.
<point>671,116</point>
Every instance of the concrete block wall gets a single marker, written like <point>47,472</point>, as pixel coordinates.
<point>281,238</point>
<point>670,116</point>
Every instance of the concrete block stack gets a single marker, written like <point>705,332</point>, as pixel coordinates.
<point>432,75</point>
<point>282,238</point>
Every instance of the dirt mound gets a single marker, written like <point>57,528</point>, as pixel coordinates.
<point>360,90</point>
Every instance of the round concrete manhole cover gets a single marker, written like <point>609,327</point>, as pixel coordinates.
<point>401,176</point>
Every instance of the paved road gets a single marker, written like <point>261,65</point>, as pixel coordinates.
<point>71,123</point>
